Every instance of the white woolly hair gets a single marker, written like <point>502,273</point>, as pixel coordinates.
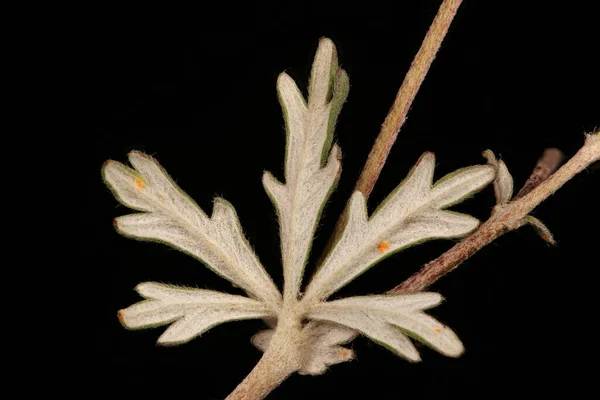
<point>413,213</point>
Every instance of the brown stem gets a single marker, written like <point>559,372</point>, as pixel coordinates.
<point>279,361</point>
<point>262,380</point>
<point>397,114</point>
<point>432,271</point>
<point>412,82</point>
<point>545,167</point>
<point>505,218</point>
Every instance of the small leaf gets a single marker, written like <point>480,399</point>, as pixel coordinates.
<point>376,329</point>
<point>320,347</point>
<point>541,229</point>
<point>503,183</point>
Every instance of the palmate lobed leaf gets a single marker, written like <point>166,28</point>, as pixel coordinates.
<point>412,213</point>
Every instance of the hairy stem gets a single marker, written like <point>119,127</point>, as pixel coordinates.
<point>277,363</point>
<point>406,94</point>
<point>397,114</point>
<point>545,167</point>
<point>505,218</point>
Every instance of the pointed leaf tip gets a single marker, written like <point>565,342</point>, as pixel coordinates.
<point>341,87</point>
<point>428,156</point>
<point>323,72</point>
<point>490,157</point>
<point>503,182</point>
<point>541,229</point>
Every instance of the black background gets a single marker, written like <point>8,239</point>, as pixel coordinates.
<point>199,94</point>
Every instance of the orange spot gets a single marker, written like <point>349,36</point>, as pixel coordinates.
<point>343,352</point>
<point>438,330</point>
<point>383,246</point>
<point>139,183</point>
<point>120,315</point>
